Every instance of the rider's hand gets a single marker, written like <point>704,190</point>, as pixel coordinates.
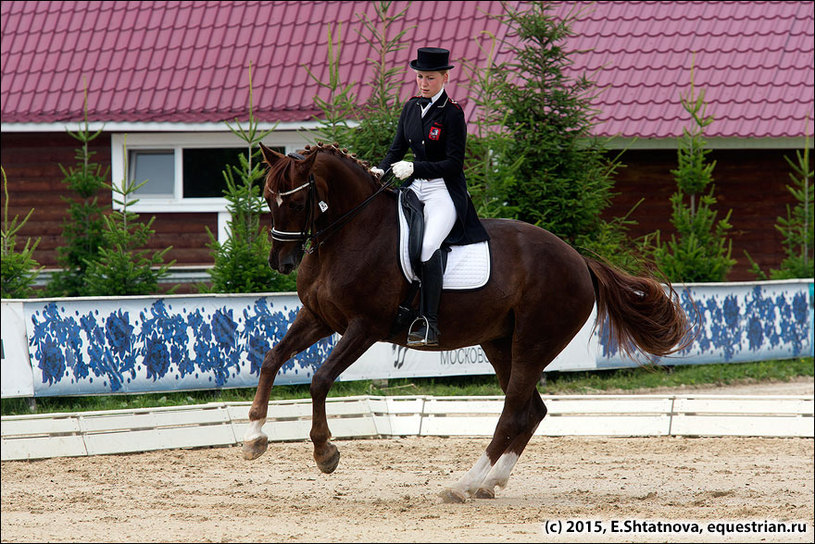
<point>378,172</point>
<point>402,169</point>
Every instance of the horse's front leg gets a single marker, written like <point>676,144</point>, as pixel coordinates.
<point>356,340</point>
<point>304,331</point>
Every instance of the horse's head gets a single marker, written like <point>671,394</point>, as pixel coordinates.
<point>292,193</point>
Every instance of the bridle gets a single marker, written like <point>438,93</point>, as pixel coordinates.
<point>309,234</point>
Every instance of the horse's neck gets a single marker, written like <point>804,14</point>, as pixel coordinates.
<point>366,222</point>
<point>346,196</point>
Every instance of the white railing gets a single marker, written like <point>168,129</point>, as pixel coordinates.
<point>224,424</point>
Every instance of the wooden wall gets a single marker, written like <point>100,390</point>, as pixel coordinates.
<point>31,162</point>
<point>750,182</point>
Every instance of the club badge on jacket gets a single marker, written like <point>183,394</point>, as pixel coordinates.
<point>435,133</point>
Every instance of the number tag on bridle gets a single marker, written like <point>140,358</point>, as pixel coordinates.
<point>323,206</point>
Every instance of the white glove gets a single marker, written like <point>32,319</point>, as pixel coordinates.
<point>378,172</point>
<point>402,169</point>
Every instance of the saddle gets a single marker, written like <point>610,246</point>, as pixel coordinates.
<point>465,267</point>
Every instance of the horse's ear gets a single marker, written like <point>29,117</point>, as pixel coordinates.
<point>304,166</point>
<point>270,155</point>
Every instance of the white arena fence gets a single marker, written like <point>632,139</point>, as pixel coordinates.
<point>224,424</point>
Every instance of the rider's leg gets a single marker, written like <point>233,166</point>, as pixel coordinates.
<point>439,218</point>
<point>426,331</point>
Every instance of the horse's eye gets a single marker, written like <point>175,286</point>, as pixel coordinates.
<point>295,206</point>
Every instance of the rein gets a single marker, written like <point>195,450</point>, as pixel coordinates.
<point>308,235</point>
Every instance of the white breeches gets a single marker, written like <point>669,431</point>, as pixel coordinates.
<point>439,213</point>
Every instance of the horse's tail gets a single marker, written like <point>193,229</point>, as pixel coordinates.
<point>640,313</point>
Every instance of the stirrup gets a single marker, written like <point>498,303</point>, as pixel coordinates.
<point>416,338</point>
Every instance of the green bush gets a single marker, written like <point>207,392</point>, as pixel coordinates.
<point>242,260</point>
<point>122,266</point>
<point>796,227</point>
<point>82,228</point>
<point>566,176</point>
<point>19,269</point>
<point>700,250</point>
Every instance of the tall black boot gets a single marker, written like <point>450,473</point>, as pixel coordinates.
<point>425,329</point>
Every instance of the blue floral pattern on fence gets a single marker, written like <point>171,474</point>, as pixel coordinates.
<point>201,347</point>
<point>736,325</point>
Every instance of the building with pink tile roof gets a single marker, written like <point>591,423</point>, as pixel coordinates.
<point>186,62</point>
<point>169,74</point>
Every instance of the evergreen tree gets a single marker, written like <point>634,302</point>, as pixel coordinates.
<point>19,269</point>
<point>565,179</point>
<point>700,250</point>
<point>378,118</point>
<point>242,260</point>
<point>82,229</point>
<point>489,165</point>
<point>366,130</point>
<point>122,266</point>
<point>339,108</point>
<point>796,227</point>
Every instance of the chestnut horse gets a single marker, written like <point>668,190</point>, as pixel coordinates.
<point>338,223</point>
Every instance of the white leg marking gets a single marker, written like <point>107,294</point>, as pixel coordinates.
<point>254,430</point>
<point>472,480</point>
<point>499,475</point>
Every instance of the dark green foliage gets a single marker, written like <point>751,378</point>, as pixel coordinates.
<point>700,250</point>
<point>489,165</point>
<point>796,227</point>
<point>83,228</point>
<point>566,178</point>
<point>122,266</point>
<point>19,269</point>
<point>339,107</point>
<point>377,119</point>
<point>241,261</point>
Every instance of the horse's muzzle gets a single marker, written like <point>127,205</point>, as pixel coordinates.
<point>287,263</point>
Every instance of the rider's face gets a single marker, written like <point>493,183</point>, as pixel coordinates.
<point>430,83</point>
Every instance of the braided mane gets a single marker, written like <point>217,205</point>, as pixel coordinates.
<point>335,150</point>
<point>283,170</point>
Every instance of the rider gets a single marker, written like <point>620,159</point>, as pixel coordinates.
<point>433,127</point>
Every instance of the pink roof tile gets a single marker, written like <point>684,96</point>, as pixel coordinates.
<point>186,62</point>
<point>752,59</point>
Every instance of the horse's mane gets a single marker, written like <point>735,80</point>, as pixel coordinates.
<point>283,169</point>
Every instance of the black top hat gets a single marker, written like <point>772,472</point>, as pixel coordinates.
<point>431,59</point>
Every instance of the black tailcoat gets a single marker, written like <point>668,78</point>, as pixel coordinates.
<point>438,141</point>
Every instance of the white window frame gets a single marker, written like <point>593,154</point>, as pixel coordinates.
<point>122,143</point>
<point>290,140</point>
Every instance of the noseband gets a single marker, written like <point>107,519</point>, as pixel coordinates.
<point>305,234</point>
<point>309,234</point>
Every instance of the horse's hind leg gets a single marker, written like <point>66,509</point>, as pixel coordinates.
<point>493,468</point>
<point>523,411</point>
<point>501,469</point>
<point>304,331</point>
<point>499,353</point>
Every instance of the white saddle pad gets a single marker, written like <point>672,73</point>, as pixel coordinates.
<point>468,267</point>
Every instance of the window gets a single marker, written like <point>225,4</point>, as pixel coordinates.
<point>155,170</point>
<point>183,172</point>
<point>204,170</point>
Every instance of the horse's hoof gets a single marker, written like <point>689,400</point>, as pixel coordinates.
<point>453,496</point>
<point>254,448</point>
<point>329,465</point>
<point>484,493</point>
